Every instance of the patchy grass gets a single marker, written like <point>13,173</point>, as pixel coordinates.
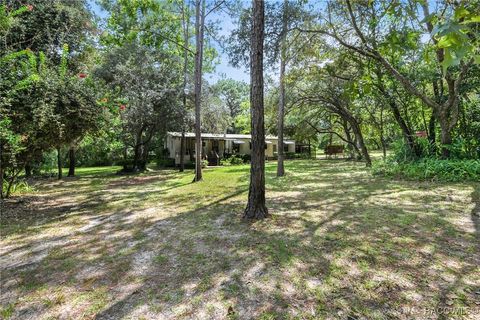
<point>340,244</point>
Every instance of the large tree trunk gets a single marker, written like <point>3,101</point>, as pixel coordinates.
<point>256,208</point>
<point>59,163</point>
<point>360,142</point>
<point>71,162</point>
<point>199,28</point>
<point>348,137</point>
<point>445,136</point>
<point>140,157</point>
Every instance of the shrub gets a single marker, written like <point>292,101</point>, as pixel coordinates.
<point>290,155</point>
<point>430,169</point>
<point>165,162</point>
<point>246,158</point>
<point>233,160</point>
<point>204,163</point>
<point>18,187</point>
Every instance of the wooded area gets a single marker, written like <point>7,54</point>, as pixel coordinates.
<point>232,159</point>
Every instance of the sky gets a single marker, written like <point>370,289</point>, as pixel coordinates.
<point>223,69</point>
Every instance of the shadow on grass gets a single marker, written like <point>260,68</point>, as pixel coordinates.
<point>340,244</point>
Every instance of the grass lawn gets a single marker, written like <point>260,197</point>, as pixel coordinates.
<point>341,244</point>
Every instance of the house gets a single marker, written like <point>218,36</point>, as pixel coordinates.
<point>218,146</point>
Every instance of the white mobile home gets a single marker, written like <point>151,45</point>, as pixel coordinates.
<point>218,146</point>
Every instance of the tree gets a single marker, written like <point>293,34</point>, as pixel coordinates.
<point>232,94</point>
<point>281,19</point>
<point>281,99</point>
<point>41,91</point>
<point>146,89</point>
<point>366,28</point>
<point>256,208</point>
<point>186,41</point>
<point>199,39</point>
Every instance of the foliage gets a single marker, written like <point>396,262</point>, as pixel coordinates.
<point>40,89</point>
<point>146,94</point>
<point>430,169</point>
<point>234,95</point>
<point>232,160</point>
<point>100,149</point>
<point>19,187</point>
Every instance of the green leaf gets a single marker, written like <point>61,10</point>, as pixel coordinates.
<point>461,12</point>
<point>474,19</point>
<point>445,42</point>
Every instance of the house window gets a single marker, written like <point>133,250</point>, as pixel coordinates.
<point>285,148</point>
<point>250,145</point>
<point>274,148</point>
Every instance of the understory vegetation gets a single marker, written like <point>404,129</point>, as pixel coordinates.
<point>430,169</point>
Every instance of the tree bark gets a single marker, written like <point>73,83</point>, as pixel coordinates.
<point>182,151</point>
<point>445,136</point>
<point>59,163</point>
<point>432,134</point>
<point>361,143</point>
<point>71,162</point>
<point>125,157</point>
<point>138,158</point>
<point>281,116</point>
<point>256,208</point>
<point>406,131</point>
<point>186,22</point>
<point>1,172</point>
<point>281,102</point>
<point>356,152</point>
<point>199,28</point>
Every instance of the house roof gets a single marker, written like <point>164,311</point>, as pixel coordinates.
<point>226,136</point>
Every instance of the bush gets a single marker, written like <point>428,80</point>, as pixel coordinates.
<point>246,158</point>
<point>290,155</point>
<point>18,187</point>
<point>165,162</point>
<point>430,169</point>
<point>233,160</point>
<point>204,163</point>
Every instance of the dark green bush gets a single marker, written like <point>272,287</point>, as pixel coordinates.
<point>165,162</point>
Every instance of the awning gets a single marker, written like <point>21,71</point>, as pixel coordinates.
<point>288,142</point>
<point>238,141</point>
<point>268,142</point>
